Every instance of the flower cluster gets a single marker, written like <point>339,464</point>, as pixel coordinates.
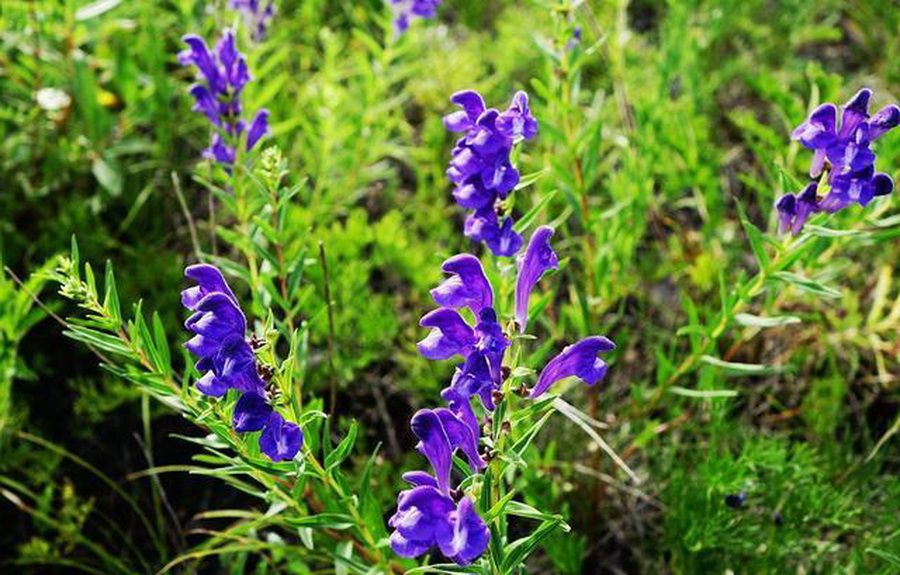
<point>843,153</point>
<point>481,169</point>
<point>405,10</point>
<point>226,361</point>
<point>427,515</point>
<point>223,74</point>
<point>258,15</point>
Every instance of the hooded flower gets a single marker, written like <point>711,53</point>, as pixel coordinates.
<point>440,433</point>
<point>467,285</point>
<point>843,149</point>
<point>480,168</point>
<point>537,259</point>
<point>222,76</point>
<point>794,210</point>
<point>577,360</point>
<point>226,361</point>
<point>427,516</point>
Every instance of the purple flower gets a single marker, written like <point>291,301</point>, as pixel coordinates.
<point>427,515</point>
<point>517,121</point>
<point>483,225</point>
<point>795,210</point>
<point>440,433</point>
<point>218,324</point>
<point>450,335</point>
<point>575,40</point>
<point>427,518</point>
<point>537,259</point>
<point>483,345</point>
<point>280,439</point>
<point>406,10</point>
<point>226,361</point>
<point>480,168</point>
<point>251,412</point>
<point>577,360</point>
<point>258,15</point>
<point>223,73</point>
<point>843,149</point>
<point>467,285</point>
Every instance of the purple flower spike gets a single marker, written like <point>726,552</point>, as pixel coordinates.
<point>577,360</point>
<point>467,286</point>
<point>845,151</point>
<point>226,361</point>
<point>480,168</point>
<point>280,439</point>
<point>537,259</point>
<point>426,516</point>
<point>222,75</point>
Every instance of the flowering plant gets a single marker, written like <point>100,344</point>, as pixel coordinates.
<point>431,514</point>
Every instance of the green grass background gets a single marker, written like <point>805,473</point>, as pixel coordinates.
<point>673,120</point>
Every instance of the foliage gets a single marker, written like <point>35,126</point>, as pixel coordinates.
<point>746,362</point>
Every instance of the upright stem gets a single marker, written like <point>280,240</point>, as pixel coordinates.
<point>331,350</point>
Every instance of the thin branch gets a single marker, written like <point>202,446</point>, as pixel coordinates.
<point>192,229</point>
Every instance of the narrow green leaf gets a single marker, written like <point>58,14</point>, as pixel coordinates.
<point>741,368</point>
<point>111,297</point>
<point>702,394</point>
<point>808,285</point>
<point>323,521</point>
<point>344,448</point>
<point>750,320</point>
<point>98,339</point>
<point>518,551</point>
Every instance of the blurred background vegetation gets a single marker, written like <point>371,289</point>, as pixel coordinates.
<point>671,122</point>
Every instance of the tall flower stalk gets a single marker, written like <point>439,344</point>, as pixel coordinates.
<point>222,75</point>
<point>478,419</point>
<point>481,168</point>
